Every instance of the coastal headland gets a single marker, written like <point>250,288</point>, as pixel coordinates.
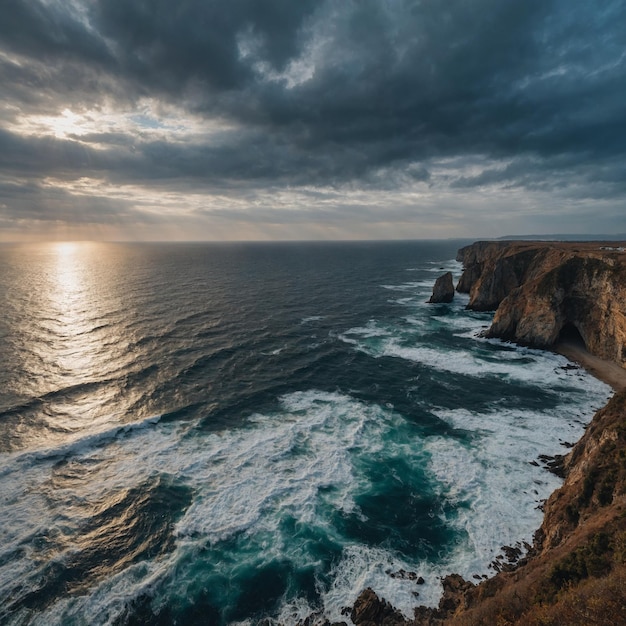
<point>569,297</point>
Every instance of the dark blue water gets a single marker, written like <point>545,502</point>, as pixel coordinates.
<point>214,434</point>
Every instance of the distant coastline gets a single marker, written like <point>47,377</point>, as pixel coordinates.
<point>564,237</point>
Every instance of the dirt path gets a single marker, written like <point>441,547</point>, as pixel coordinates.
<point>607,371</point>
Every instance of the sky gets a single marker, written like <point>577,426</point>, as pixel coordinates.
<point>311,119</point>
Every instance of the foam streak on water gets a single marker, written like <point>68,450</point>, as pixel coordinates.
<point>271,443</point>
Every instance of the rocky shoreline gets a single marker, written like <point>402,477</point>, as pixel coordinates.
<point>570,297</point>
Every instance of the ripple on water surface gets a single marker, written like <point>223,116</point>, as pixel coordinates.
<point>219,434</point>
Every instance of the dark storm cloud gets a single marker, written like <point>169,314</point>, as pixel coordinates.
<point>325,92</point>
<point>38,203</point>
<point>165,45</point>
<point>42,156</point>
<point>256,158</point>
<point>49,31</point>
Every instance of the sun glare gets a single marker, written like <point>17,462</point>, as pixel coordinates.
<point>65,249</point>
<point>72,292</point>
<point>67,124</point>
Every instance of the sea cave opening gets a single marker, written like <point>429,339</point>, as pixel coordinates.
<point>570,334</point>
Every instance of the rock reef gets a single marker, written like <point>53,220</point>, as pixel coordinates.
<point>575,571</point>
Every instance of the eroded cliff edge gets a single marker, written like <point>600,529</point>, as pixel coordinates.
<point>575,572</point>
<point>543,291</point>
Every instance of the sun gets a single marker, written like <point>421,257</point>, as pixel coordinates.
<point>65,249</point>
<point>66,125</point>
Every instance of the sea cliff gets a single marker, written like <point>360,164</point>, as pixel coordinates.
<point>543,291</point>
<point>544,295</point>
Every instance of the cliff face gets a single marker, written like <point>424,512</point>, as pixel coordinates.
<point>540,290</point>
<point>595,478</point>
<point>491,272</point>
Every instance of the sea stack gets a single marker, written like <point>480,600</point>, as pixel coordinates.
<point>443,291</point>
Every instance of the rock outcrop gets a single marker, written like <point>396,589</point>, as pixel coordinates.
<point>443,291</point>
<point>370,610</point>
<point>542,290</point>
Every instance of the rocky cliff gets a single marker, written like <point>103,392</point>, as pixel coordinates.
<point>543,291</point>
<point>575,573</point>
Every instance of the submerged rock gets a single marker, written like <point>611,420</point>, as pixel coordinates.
<point>443,291</point>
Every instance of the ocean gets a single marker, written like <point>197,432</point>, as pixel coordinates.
<point>230,433</point>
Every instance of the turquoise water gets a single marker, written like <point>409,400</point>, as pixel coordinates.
<point>218,434</point>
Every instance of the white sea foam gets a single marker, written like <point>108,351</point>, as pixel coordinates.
<point>273,352</point>
<point>437,266</point>
<point>312,318</point>
<point>493,481</point>
<point>108,600</point>
<point>245,481</point>
<point>371,329</point>
<point>364,566</point>
<point>304,462</point>
<point>512,362</point>
<point>415,321</point>
<point>494,477</point>
<point>417,287</point>
<point>281,463</point>
<point>472,325</point>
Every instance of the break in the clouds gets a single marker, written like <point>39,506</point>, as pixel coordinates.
<point>261,119</point>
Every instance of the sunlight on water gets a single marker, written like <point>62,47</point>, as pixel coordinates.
<point>71,301</point>
<point>70,347</point>
<point>71,296</point>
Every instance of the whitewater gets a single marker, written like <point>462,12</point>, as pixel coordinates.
<point>227,433</point>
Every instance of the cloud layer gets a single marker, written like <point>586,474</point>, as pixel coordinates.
<point>337,118</point>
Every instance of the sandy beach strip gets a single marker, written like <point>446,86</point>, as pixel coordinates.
<point>607,371</point>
